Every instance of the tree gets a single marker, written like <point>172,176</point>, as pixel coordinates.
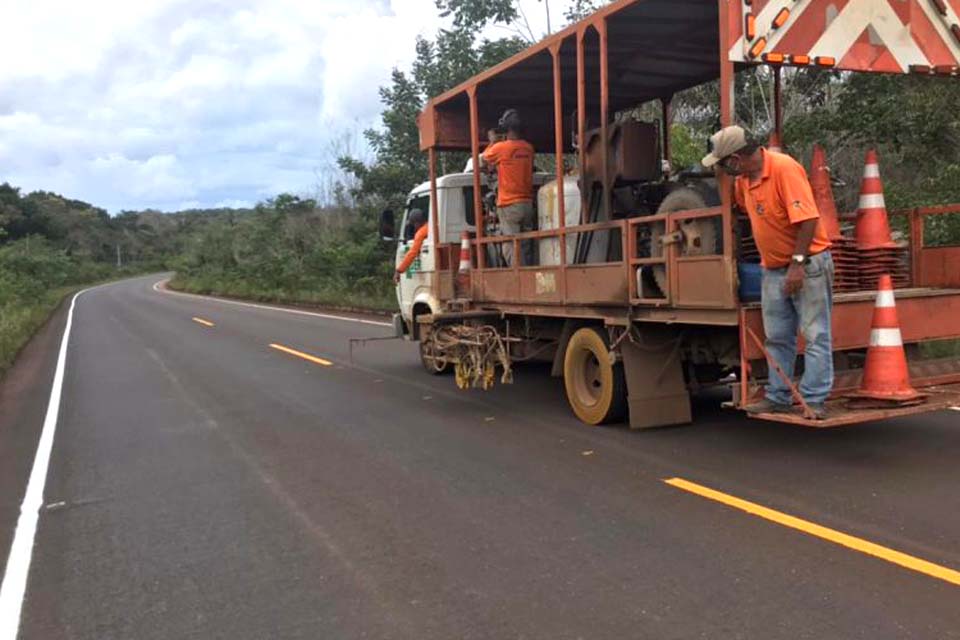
<point>455,54</point>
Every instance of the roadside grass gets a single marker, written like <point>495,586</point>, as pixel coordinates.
<point>19,321</point>
<point>357,296</point>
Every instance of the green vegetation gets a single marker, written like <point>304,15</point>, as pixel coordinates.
<point>34,277</point>
<point>50,246</point>
<point>290,250</point>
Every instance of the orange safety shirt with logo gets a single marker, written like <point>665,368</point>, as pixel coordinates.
<point>414,251</point>
<point>514,162</point>
<point>776,204</point>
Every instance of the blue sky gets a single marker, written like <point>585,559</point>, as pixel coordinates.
<point>172,104</point>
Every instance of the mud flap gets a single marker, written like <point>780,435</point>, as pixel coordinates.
<point>657,395</point>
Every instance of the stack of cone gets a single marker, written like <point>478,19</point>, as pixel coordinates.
<point>886,376</point>
<point>463,271</point>
<point>878,253</point>
<point>844,249</point>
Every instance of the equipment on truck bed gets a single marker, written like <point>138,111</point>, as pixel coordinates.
<point>635,298</point>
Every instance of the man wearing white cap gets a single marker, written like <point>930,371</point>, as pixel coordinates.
<point>797,291</point>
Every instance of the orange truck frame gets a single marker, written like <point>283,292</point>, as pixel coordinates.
<point>645,353</point>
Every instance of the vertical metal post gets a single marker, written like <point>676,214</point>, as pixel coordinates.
<point>666,116</point>
<point>727,114</point>
<point>434,211</point>
<point>744,364</point>
<point>778,104</point>
<point>558,150</point>
<point>604,112</point>
<point>477,199</point>
<point>581,122</point>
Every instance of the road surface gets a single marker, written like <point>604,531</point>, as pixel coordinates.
<point>205,484</point>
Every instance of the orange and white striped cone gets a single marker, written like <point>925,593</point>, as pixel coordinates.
<point>873,227</point>
<point>464,253</point>
<point>463,271</point>
<point>885,372</point>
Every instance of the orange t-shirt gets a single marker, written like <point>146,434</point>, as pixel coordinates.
<point>776,204</point>
<point>514,161</point>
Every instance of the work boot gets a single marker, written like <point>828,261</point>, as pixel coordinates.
<point>820,411</point>
<point>767,406</point>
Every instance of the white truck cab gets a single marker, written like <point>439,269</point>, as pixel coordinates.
<point>415,294</point>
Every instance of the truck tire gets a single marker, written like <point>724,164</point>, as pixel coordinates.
<point>708,231</point>
<point>426,358</point>
<point>596,389</point>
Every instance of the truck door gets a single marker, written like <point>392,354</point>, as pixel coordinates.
<point>417,277</point>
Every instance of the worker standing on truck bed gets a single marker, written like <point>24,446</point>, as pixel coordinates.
<point>797,267</point>
<point>419,223</point>
<point>513,159</point>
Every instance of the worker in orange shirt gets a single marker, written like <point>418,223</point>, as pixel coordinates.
<point>513,159</point>
<point>797,289</point>
<point>421,229</point>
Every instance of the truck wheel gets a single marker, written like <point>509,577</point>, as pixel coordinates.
<point>595,386</point>
<point>427,360</point>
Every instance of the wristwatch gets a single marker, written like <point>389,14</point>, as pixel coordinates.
<point>799,258</point>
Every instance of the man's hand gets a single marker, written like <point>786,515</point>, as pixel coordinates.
<point>396,277</point>
<point>794,281</point>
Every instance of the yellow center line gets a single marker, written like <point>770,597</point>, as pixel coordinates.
<point>205,323</point>
<point>831,535</point>
<point>301,354</point>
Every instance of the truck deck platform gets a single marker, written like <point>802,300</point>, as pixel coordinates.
<point>841,413</point>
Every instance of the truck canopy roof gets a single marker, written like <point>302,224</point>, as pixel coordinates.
<point>656,48</point>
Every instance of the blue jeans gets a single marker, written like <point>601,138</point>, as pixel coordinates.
<point>807,311</point>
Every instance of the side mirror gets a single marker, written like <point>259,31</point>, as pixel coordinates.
<point>387,226</point>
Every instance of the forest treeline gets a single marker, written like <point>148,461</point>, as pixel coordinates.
<point>293,248</point>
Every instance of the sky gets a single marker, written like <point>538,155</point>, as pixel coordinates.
<point>171,104</point>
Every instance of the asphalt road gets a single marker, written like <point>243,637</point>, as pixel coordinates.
<point>203,484</point>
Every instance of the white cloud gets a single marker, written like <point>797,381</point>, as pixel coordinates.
<point>162,103</point>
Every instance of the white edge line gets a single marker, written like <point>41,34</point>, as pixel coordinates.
<point>156,287</point>
<point>15,575</point>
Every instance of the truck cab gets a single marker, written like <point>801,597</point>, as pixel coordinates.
<point>417,292</point>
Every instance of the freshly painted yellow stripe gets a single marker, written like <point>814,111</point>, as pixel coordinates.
<point>205,323</point>
<point>832,535</point>
<point>301,354</point>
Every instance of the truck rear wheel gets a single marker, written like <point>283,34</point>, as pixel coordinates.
<point>595,386</point>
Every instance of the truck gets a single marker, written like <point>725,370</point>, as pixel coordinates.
<point>636,290</point>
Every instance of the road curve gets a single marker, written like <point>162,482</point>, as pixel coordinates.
<point>203,483</point>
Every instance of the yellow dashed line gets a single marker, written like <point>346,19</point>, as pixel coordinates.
<point>300,354</point>
<point>831,535</point>
<point>205,323</point>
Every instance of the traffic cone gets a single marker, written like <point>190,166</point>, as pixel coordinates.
<point>846,259</point>
<point>873,228</point>
<point>885,372</point>
<point>464,253</point>
<point>823,192</point>
<point>463,271</point>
